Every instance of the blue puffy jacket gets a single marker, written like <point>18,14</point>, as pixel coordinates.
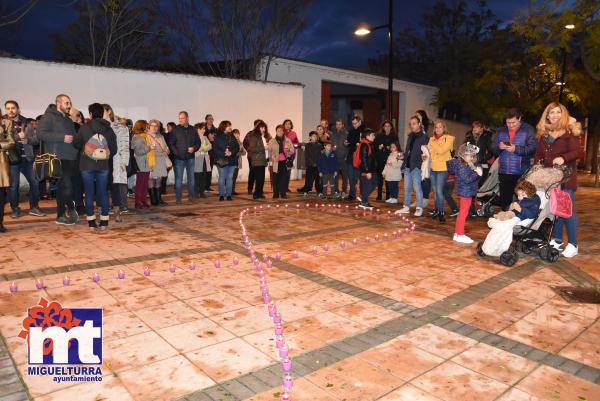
<point>530,207</point>
<point>525,144</point>
<point>466,179</point>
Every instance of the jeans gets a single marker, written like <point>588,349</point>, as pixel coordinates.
<point>392,188</point>
<point>226,180</point>
<point>25,168</point>
<point>343,173</point>
<point>180,165</point>
<point>412,180</point>
<point>448,189</point>
<point>258,176</point>
<point>426,187</point>
<point>366,187</point>
<point>507,184</point>
<point>571,223</point>
<point>353,175</point>
<point>438,181</point>
<point>64,193</point>
<point>95,183</point>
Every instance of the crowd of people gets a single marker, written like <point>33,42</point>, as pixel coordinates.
<point>106,158</point>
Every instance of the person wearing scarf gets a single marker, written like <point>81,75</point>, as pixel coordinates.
<point>143,151</point>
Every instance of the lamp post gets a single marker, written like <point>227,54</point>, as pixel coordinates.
<point>364,29</point>
<point>562,82</point>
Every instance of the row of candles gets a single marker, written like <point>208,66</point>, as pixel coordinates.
<point>274,314</point>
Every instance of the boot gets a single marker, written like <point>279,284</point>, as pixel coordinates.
<point>104,223</point>
<point>160,200</point>
<point>118,217</point>
<point>2,228</point>
<point>153,196</point>
<point>92,223</point>
<point>441,217</point>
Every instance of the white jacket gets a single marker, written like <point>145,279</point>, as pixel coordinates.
<point>500,236</point>
<point>121,158</point>
<point>393,168</point>
<point>426,164</point>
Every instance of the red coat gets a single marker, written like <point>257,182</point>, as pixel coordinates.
<point>565,146</point>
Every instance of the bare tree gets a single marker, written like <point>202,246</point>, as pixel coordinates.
<point>119,33</point>
<point>230,37</point>
<point>9,17</point>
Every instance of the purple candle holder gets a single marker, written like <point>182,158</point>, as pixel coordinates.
<point>261,273</point>
<point>286,364</point>
<point>66,280</point>
<point>39,283</point>
<point>236,260</point>
<point>297,206</point>
<point>266,299</point>
<point>192,266</point>
<point>146,271</point>
<point>217,264</point>
<point>376,237</point>
<point>276,317</point>
<point>269,264</point>
<point>315,250</point>
<point>172,268</point>
<point>354,241</point>
<point>367,239</point>
<point>278,256</point>
<point>121,274</point>
<point>265,257</point>
<point>342,244</point>
<point>278,330</point>
<point>385,237</point>
<point>272,308</point>
<point>13,287</point>
<point>285,396</point>
<point>95,277</point>
<point>326,247</point>
<point>288,381</point>
<point>279,341</point>
<point>283,351</point>
<point>295,254</point>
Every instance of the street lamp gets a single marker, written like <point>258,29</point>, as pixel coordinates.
<point>562,82</point>
<point>364,29</point>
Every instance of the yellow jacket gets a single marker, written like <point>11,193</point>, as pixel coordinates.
<point>440,150</point>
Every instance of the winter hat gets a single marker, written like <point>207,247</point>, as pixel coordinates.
<point>466,150</point>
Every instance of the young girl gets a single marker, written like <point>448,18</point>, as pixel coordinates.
<point>393,172</point>
<point>467,176</point>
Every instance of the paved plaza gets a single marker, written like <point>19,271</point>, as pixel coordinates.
<point>413,318</point>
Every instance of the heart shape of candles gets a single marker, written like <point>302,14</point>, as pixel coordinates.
<point>121,274</point>
<point>66,280</point>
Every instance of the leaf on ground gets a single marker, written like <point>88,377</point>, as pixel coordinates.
<point>329,385</point>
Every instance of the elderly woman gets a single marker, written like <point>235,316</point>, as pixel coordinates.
<point>202,164</point>
<point>280,150</point>
<point>441,145</point>
<point>161,155</point>
<point>558,145</point>
<point>145,159</point>
<point>7,143</point>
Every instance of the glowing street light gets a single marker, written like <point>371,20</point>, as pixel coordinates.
<point>363,29</point>
<point>570,26</point>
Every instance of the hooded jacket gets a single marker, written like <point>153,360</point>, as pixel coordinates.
<point>52,129</point>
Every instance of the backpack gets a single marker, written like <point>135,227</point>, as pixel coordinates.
<point>356,155</point>
<point>96,148</point>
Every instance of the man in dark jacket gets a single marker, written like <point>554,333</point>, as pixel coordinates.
<point>411,167</point>
<point>381,145</point>
<point>183,142</point>
<point>94,139</point>
<point>353,138</point>
<point>56,130</point>
<point>338,137</point>
<point>210,133</point>
<point>515,144</point>
<point>482,138</point>
<point>25,137</point>
<point>312,152</point>
<point>367,168</point>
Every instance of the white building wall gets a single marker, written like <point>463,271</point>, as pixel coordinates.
<point>143,95</point>
<point>413,96</point>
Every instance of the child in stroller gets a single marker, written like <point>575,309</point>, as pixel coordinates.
<point>531,226</point>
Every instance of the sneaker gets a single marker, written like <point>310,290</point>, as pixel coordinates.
<point>208,190</point>
<point>388,200</point>
<point>556,245</point>
<point>367,206</point>
<point>570,251</point>
<point>35,211</point>
<point>16,213</point>
<point>425,203</point>
<point>393,201</point>
<point>336,195</point>
<point>125,210</point>
<point>404,210</point>
<point>229,198</point>
<point>62,220</point>
<point>130,195</point>
<point>358,199</point>
<point>221,198</point>
<point>454,213</point>
<point>305,194</point>
<point>343,195</point>
<point>418,212</point>
<point>321,196</point>
<point>463,239</point>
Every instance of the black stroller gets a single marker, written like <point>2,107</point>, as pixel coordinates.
<point>535,237</point>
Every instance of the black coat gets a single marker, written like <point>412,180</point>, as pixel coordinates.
<point>381,155</point>
<point>353,140</point>
<point>312,153</point>
<point>484,143</point>
<point>52,129</point>
<point>182,138</point>
<point>88,130</point>
<point>223,141</point>
<point>367,157</point>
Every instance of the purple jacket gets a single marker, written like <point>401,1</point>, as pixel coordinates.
<point>525,144</point>
<point>466,179</point>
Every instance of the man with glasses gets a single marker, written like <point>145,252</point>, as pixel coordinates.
<point>351,142</point>
<point>515,144</point>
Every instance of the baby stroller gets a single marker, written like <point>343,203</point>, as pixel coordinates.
<point>534,238</point>
<point>488,193</point>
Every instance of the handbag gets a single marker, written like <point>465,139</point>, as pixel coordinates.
<point>222,161</point>
<point>560,203</point>
<point>289,162</point>
<point>47,166</point>
<point>14,155</point>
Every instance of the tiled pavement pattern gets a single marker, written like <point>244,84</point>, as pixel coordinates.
<point>413,319</point>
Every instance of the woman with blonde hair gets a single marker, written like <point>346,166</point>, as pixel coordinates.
<point>558,145</point>
<point>7,142</point>
<point>441,145</point>
<point>143,151</point>
<point>161,158</point>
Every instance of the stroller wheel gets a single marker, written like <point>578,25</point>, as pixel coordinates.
<point>544,252</point>
<point>521,247</point>
<point>509,258</point>
<point>553,254</point>
<point>479,249</point>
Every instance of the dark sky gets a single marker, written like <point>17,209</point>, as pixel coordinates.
<point>328,38</point>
